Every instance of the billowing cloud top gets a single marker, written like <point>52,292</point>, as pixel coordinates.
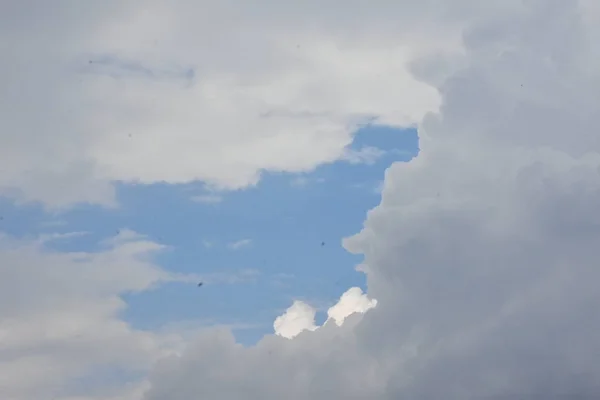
<point>300,316</point>
<point>483,252</point>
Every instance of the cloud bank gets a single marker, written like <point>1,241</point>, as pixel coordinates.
<point>482,254</point>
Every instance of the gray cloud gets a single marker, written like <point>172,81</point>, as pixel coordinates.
<point>483,252</point>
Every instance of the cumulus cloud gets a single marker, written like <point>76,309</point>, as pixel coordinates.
<point>60,315</point>
<point>296,319</point>
<point>162,93</point>
<point>352,301</point>
<point>300,316</point>
<point>482,254</point>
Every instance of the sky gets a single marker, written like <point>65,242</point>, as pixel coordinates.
<point>383,202</point>
<point>257,250</point>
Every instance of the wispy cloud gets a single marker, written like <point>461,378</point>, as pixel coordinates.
<point>52,223</point>
<point>282,280</point>
<point>378,189</point>
<point>365,155</point>
<point>230,277</point>
<point>125,235</point>
<point>208,198</point>
<point>374,187</point>
<point>49,237</point>
<point>301,181</point>
<point>403,152</point>
<point>240,244</point>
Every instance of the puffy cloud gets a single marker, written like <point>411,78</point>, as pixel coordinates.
<point>296,319</point>
<point>60,315</point>
<point>300,316</point>
<point>483,252</point>
<point>163,93</point>
<point>352,301</point>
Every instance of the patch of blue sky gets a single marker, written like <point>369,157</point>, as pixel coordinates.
<point>284,221</point>
<point>24,220</point>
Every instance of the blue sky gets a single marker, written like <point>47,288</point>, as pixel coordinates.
<point>282,221</point>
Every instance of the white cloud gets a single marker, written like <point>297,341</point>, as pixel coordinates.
<point>208,198</point>
<point>230,277</point>
<point>365,155</point>
<point>116,92</point>
<point>240,244</point>
<point>352,301</point>
<point>208,243</point>
<point>303,181</point>
<point>298,318</point>
<point>50,237</point>
<point>60,315</point>
<point>300,181</point>
<point>372,187</point>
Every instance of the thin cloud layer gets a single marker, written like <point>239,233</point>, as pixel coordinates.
<point>482,254</point>
<point>239,244</point>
